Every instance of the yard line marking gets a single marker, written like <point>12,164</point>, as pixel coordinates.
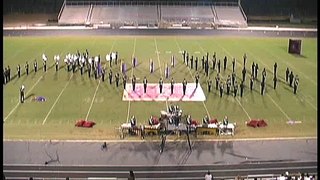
<point>95,93</point>
<point>315,108</point>
<point>19,100</point>
<point>279,107</point>
<point>277,57</point>
<point>244,110</point>
<point>45,119</point>
<point>46,47</point>
<point>222,76</point>
<point>312,81</point>
<point>267,94</point>
<point>204,105</point>
<point>155,42</point>
<point>134,51</point>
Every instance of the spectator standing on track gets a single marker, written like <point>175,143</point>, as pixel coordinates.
<point>131,176</point>
<point>208,176</point>
<point>145,82</point>
<point>104,146</point>
<point>184,86</point>
<point>160,85</point>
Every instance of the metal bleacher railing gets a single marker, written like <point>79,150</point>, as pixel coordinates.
<point>151,2</point>
<point>165,11</point>
<point>61,10</point>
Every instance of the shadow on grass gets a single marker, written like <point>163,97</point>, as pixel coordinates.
<point>30,95</point>
<point>298,55</point>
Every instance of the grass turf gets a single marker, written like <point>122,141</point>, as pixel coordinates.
<point>70,96</point>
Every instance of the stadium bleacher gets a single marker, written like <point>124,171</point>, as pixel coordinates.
<point>187,13</point>
<point>137,14</point>
<point>74,14</point>
<point>145,14</point>
<point>230,16</point>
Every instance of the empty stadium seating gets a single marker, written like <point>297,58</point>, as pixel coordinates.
<point>186,13</point>
<point>128,14</point>
<point>229,16</point>
<point>134,14</point>
<point>74,14</point>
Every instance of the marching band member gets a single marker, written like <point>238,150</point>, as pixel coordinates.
<point>133,121</point>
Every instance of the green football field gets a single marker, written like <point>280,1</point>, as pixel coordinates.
<point>71,97</point>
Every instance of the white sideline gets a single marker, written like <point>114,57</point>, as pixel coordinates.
<point>134,51</point>
<point>19,100</point>
<point>236,98</point>
<point>95,93</point>
<point>45,119</point>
